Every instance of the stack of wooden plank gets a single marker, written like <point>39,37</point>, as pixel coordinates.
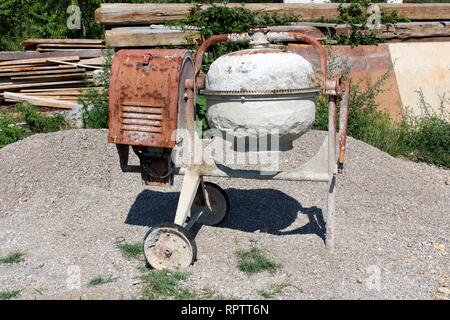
<point>141,25</point>
<point>51,82</point>
<point>83,48</point>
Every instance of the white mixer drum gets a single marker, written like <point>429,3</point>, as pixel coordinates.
<point>255,92</point>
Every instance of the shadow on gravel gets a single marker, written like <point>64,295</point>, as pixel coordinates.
<point>267,210</point>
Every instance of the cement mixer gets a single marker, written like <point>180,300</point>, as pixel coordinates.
<point>263,89</point>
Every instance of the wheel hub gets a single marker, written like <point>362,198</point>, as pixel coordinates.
<point>168,247</point>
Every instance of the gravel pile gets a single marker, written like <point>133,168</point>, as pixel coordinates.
<point>65,203</point>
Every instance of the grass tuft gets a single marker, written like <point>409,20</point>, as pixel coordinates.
<point>97,281</point>
<point>253,261</point>
<point>130,251</point>
<point>273,290</point>
<point>6,295</point>
<point>14,257</point>
<point>167,285</point>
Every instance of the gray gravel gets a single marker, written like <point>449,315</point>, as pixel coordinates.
<point>64,202</point>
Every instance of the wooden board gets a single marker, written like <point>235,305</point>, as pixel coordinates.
<point>50,77</point>
<point>12,66</point>
<point>59,97</point>
<point>37,60</point>
<point>15,55</point>
<point>68,89</point>
<point>44,72</point>
<point>55,93</point>
<point>93,61</point>
<point>32,43</point>
<point>39,101</point>
<point>40,84</point>
<point>142,14</point>
<point>32,68</point>
<point>68,46</point>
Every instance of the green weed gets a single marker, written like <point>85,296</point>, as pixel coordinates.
<point>253,261</point>
<point>130,251</point>
<point>97,281</point>
<point>9,131</point>
<point>6,295</point>
<point>14,257</point>
<point>94,101</point>
<point>272,291</point>
<point>41,123</point>
<point>167,284</point>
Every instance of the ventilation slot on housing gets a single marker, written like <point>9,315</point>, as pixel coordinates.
<point>142,118</point>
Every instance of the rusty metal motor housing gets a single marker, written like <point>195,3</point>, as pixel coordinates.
<point>146,106</point>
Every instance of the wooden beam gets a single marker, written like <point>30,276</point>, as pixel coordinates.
<point>39,101</point>
<point>415,30</point>
<point>145,36</point>
<point>143,14</point>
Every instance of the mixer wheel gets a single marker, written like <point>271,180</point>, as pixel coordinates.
<point>168,246</point>
<point>219,204</point>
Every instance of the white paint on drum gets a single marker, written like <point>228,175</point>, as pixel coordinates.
<point>260,71</point>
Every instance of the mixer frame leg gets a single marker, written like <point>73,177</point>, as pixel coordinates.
<point>329,236</point>
<point>191,182</point>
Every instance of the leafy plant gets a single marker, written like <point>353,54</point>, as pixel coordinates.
<point>429,134</point>
<point>222,19</point>
<point>355,14</point>
<point>40,123</point>
<point>253,261</point>
<point>14,257</point>
<point>9,131</point>
<point>94,101</point>
<point>424,137</point>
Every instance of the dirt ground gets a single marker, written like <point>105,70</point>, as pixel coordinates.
<point>64,203</point>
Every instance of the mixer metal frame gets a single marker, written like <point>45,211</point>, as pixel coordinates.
<point>322,167</point>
